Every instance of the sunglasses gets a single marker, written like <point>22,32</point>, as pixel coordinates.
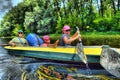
<point>20,33</point>
<point>67,30</point>
<point>46,39</point>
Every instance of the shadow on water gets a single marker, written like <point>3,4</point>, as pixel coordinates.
<point>23,68</point>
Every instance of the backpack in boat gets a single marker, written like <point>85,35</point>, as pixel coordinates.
<point>34,39</point>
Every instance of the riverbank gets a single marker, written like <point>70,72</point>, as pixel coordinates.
<point>95,39</point>
<point>89,38</point>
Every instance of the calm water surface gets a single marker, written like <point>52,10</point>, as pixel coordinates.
<point>23,68</point>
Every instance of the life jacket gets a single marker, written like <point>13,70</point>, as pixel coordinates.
<point>62,43</point>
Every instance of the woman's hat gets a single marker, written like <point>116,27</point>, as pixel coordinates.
<point>46,37</point>
<point>66,27</point>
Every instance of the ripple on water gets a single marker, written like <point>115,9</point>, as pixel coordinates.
<point>3,52</point>
<point>23,68</point>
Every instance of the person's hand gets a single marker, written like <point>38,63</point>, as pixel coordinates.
<point>78,37</point>
<point>77,31</point>
<point>21,45</point>
<point>13,44</point>
<point>44,45</point>
<point>75,34</point>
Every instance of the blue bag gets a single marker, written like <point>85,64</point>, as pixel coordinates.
<point>34,39</point>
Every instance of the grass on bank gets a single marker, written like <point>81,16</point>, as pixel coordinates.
<point>96,38</point>
<point>91,38</point>
<point>92,34</point>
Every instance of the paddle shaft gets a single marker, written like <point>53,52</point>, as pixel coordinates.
<point>81,46</point>
<point>79,34</point>
<point>4,44</point>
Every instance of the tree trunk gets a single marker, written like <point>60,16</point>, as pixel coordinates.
<point>64,7</point>
<point>118,5</point>
<point>101,8</point>
<point>98,7</point>
<point>113,4</point>
<point>82,7</point>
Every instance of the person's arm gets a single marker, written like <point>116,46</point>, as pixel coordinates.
<point>54,45</point>
<point>75,34</point>
<point>26,43</point>
<point>68,41</point>
<point>11,43</point>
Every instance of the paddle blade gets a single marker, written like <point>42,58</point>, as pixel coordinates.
<point>80,52</point>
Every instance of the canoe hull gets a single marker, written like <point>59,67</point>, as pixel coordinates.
<point>93,61</point>
<point>62,54</point>
<point>54,55</point>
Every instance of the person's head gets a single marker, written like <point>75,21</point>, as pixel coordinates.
<point>46,39</point>
<point>66,29</point>
<point>20,33</point>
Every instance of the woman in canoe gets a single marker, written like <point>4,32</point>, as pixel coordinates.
<point>65,39</point>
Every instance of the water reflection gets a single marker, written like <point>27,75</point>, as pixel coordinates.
<point>23,68</point>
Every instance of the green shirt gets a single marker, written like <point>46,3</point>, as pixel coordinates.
<point>19,41</point>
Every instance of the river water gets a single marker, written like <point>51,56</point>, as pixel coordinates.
<point>24,68</point>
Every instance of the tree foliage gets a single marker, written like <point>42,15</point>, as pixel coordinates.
<point>49,16</point>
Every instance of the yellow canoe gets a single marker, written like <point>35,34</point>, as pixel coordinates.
<point>59,53</point>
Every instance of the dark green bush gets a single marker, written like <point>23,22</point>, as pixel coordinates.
<point>111,40</point>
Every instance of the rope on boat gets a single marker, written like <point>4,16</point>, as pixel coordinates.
<point>46,73</point>
<point>42,73</point>
<point>103,77</point>
<point>24,74</point>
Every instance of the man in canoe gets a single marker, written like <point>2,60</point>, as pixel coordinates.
<point>66,39</point>
<point>18,41</point>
